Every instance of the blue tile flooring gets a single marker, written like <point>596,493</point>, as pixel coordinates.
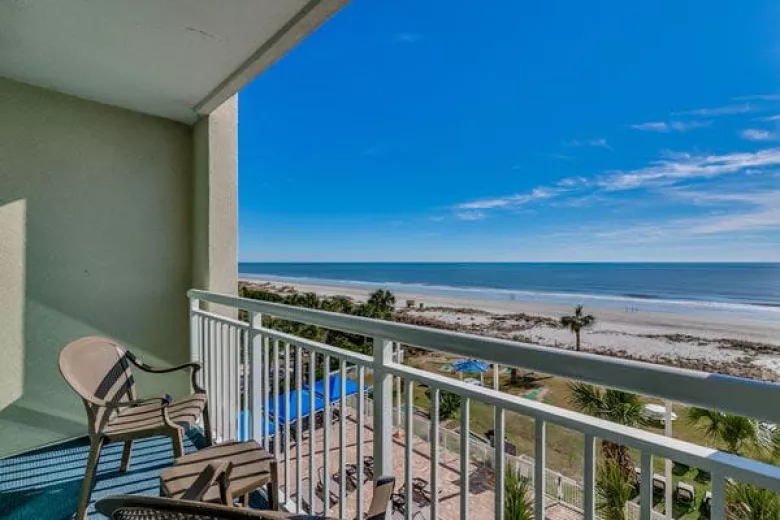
<point>45,484</point>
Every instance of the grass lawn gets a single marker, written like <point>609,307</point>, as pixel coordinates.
<point>564,446</point>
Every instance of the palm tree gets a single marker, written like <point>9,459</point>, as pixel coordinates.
<point>449,404</point>
<point>338,303</point>
<point>382,301</point>
<point>738,434</point>
<point>577,322</point>
<point>612,405</point>
<point>612,491</point>
<point>517,497</point>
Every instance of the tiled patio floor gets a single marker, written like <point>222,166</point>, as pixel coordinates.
<point>481,497</point>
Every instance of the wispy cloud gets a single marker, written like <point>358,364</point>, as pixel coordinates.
<point>519,199</point>
<point>775,117</point>
<point>407,37</point>
<point>727,110</point>
<point>762,215</point>
<point>672,126</point>
<point>652,126</point>
<point>680,167</point>
<point>755,134</point>
<point>596,143</point>
<point>758,97</point>
<point>470,215</point>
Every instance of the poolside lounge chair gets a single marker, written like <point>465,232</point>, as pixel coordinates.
<point>659,484</point>
<point>383,490</point>
<point>98,369</point>
<point>685,493</point>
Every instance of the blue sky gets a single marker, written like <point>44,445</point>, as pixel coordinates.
<point>552,131</point>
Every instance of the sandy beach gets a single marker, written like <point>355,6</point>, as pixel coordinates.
<point>728,345</point>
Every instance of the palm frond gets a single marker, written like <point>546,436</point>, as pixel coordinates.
<point>588,398</point>
<point>517,497</point>
<point>612,491</point>
<point>746,502</point>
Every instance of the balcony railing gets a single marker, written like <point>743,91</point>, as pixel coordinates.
<point>248,367</point>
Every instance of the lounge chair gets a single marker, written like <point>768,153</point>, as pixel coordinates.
<point>98,369</point>
<point>136,507</point>
<point>659,484</point>
<point>685,493</point>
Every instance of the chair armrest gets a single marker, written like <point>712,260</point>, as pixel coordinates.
<point>164,401</point>
<point>216,471</point>
<point>194,366</point>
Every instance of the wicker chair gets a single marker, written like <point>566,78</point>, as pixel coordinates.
<point>98,369</point>
<point>135,507</point>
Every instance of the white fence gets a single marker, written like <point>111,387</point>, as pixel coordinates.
<point>224,344</point>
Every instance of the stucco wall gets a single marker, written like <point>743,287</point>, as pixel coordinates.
<point>96,227</point>
<point>215,265</point>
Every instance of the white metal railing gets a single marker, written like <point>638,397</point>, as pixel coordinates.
<point>248,366</point>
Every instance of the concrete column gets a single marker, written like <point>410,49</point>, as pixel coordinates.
<point>215,201</point>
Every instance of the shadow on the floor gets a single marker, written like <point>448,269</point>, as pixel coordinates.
<point>46,483</point>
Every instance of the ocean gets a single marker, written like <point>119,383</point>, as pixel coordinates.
<point>749,290</point>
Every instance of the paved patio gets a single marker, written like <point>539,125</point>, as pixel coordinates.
<point>481,490</point>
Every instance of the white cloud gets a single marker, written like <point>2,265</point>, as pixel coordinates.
<point>759,97</point>
<point>596,143</point>
<point>470,215</point>
<point>518,199</point>
<point>672,126</point>
<point>572,182</point>
<point>726,110</point>
<point>775,117</point>
<point>683,126</point>
<point>755,134</point>
<point>680,167</point>
<point>757,212</point>
<point>407,37</point>
<point>652,126</point>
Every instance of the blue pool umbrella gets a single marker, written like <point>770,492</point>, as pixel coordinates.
<point>335,388</point>
<point>470,366</point>
<point>245,426</point>
<point>288,406</point>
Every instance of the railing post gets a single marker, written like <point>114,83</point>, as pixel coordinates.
<point>194,331</point>
<point>255,349</point>
<point>399,360</point>
<point>383,408</point>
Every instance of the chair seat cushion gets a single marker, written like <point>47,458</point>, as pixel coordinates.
<point>183,411</point>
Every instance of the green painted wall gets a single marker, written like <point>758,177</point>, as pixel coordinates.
<point>96,237</point>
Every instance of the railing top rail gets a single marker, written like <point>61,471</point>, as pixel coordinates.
<point>740,468</point>
<point>747,397</point>
<point>320,348</point>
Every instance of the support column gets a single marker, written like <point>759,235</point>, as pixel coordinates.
<point>215,202</point>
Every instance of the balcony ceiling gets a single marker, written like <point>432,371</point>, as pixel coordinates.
<point>171,58</point>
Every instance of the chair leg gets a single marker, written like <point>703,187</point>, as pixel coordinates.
<point>126,453</point>
<point>207,426</point>
<point>96,445</point>
<point>178,443</point>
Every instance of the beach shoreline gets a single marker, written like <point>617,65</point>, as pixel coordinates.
<point>732,345</point>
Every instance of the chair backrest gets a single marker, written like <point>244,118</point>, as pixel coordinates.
<point>98,370</point>
<point>383,490</point>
